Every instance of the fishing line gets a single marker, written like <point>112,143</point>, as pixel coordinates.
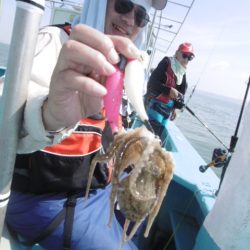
<point>201,73</point>
<point>218,37</point>
<point>211,132</point>
<point>180,101</point>
<point>198,81</point>
<point>195,86</point>
<point>181,221</point>
<point>234,138</point>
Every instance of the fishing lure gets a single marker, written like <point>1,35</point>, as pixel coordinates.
<point>130,74</point>
<point>133,84</point>
<point>112,100</point>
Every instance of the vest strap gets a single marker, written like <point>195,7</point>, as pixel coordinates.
<point>66,214</point>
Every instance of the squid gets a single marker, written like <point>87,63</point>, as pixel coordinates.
<point>141,192</point>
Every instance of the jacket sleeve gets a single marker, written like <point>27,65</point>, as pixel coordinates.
<point>156,84</point>
<point>33,135</point>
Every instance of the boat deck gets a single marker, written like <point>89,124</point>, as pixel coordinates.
<point>190,197</point>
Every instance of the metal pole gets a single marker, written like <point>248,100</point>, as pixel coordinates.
<point>154,44</point>
<point>21,53</point>
<point>151,31</point>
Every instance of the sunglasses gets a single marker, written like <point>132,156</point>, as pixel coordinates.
<point>187,56</point>
<point>124,7</point>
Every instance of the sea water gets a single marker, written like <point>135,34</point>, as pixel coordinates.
<point>218,113</point>
<point>212,125</point>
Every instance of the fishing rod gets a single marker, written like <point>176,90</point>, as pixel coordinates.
<point>221,158</point>
<point>180,103</point>
<point>234,138</point>
<point>206,63</point>
<point>191,94</point>
<point>212,133</point>
<point>21,54</point>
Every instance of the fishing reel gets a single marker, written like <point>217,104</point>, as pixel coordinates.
<point>219,159</point>
<point>179,102</point>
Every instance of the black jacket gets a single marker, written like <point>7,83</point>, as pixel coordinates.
<point>157,81</point>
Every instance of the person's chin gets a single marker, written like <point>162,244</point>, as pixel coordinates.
<point>184,65</point>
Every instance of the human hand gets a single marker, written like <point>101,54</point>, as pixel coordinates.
<point>76,88</point>
<point>173,115</point>
<point>174,93</point>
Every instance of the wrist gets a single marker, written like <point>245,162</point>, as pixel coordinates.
<point>49,121</point>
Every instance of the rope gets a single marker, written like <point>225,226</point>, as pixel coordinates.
<point>181,220</point>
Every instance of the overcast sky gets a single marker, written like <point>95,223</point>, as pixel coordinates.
<point>218,30</point>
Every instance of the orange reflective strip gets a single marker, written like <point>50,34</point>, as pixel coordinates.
<point>78,144</point>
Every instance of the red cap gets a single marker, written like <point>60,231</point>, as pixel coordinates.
<point>186,48</point>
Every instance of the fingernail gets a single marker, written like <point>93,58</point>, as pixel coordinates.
<point>108,68</point>
<point>134,51</point>
<point>113,56</point>
<point>102,90</point>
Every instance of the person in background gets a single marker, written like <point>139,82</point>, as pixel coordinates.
<point>166,87</point>
<point>65,95</point>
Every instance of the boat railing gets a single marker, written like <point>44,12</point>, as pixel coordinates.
<point>165,27</point>
<point>166,141</point>
<point>14,95</point>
